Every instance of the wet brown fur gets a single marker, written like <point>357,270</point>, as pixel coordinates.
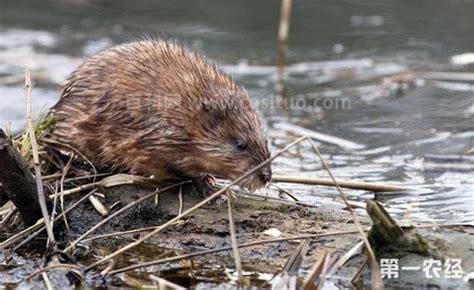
<point>155,108</point>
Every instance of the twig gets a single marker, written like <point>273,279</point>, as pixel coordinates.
<point>376,278</point>
<point>446,76</point>
<point>355,281</point>
<point>74,150</point>
<point>250,244</point>
<point>110,266</point>
<point>37,166</point>
<point>61,193</point>
<point>286,279</point>
<point>342,183</point>
<point>128,206</point>
<point>346,257</point>
<point>315,277</point>
<point>441,226</point>
<point>21,234</point>
<point>180,197</point>
<point>52,176</point>
<point>114,180</point>
<point>165,284</point>
<point>79,188</point>
<point>294,262</point>
<point>6,217</point>
<point>322,275</point>
<point>192,209</point>
<point>279,200</point>
<point>157,199</point>
<point>86,176</point>
<point>301,131</point>
<point>233,237</point>
<point>121,233</point>
<point>74,268</point>
<point>284,191</point>
<point>46,280</point>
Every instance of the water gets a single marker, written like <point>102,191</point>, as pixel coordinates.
<point>340,53</point>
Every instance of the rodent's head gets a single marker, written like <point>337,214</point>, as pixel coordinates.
<point>229,137</point>
<point>214,116</point>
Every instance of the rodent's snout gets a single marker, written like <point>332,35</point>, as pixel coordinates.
<point>265,174</point>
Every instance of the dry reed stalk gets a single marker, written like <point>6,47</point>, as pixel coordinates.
<point>287,278</point>
<point>233,237</point>
<point>446,76</point>
<point>375,187</point>
<point>280,189</point>
<point>13,239</point>
<point>73,268</point>
<point>346,257</point>
<point>36,162</point>
<point>180,197</point>
<point>376,277</point>
<point>70,148</point>
<point>356,281</point>
<point>61,195</point>
<point>47,282</point>
<point>283,30</point>
<point>315,278</point>
<point>113,180</point>
<point>121,233</point>
<point>6,216</point>
<point>165,284</point>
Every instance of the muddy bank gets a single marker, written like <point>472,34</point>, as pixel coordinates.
<point>208,228</point>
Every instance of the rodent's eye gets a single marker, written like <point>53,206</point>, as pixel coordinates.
<point>241,145</point>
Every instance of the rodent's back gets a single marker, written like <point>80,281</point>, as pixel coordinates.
<point>154,107</point>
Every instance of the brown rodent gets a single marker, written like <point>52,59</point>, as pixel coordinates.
<point>155,108</point>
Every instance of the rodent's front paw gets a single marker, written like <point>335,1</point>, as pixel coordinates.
<point>205,186</point>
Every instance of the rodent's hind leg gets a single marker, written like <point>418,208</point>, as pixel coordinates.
<point>205,186</point>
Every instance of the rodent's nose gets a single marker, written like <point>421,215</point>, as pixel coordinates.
<point>265,174</point>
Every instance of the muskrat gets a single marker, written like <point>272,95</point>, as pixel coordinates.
<point>155,108</point>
